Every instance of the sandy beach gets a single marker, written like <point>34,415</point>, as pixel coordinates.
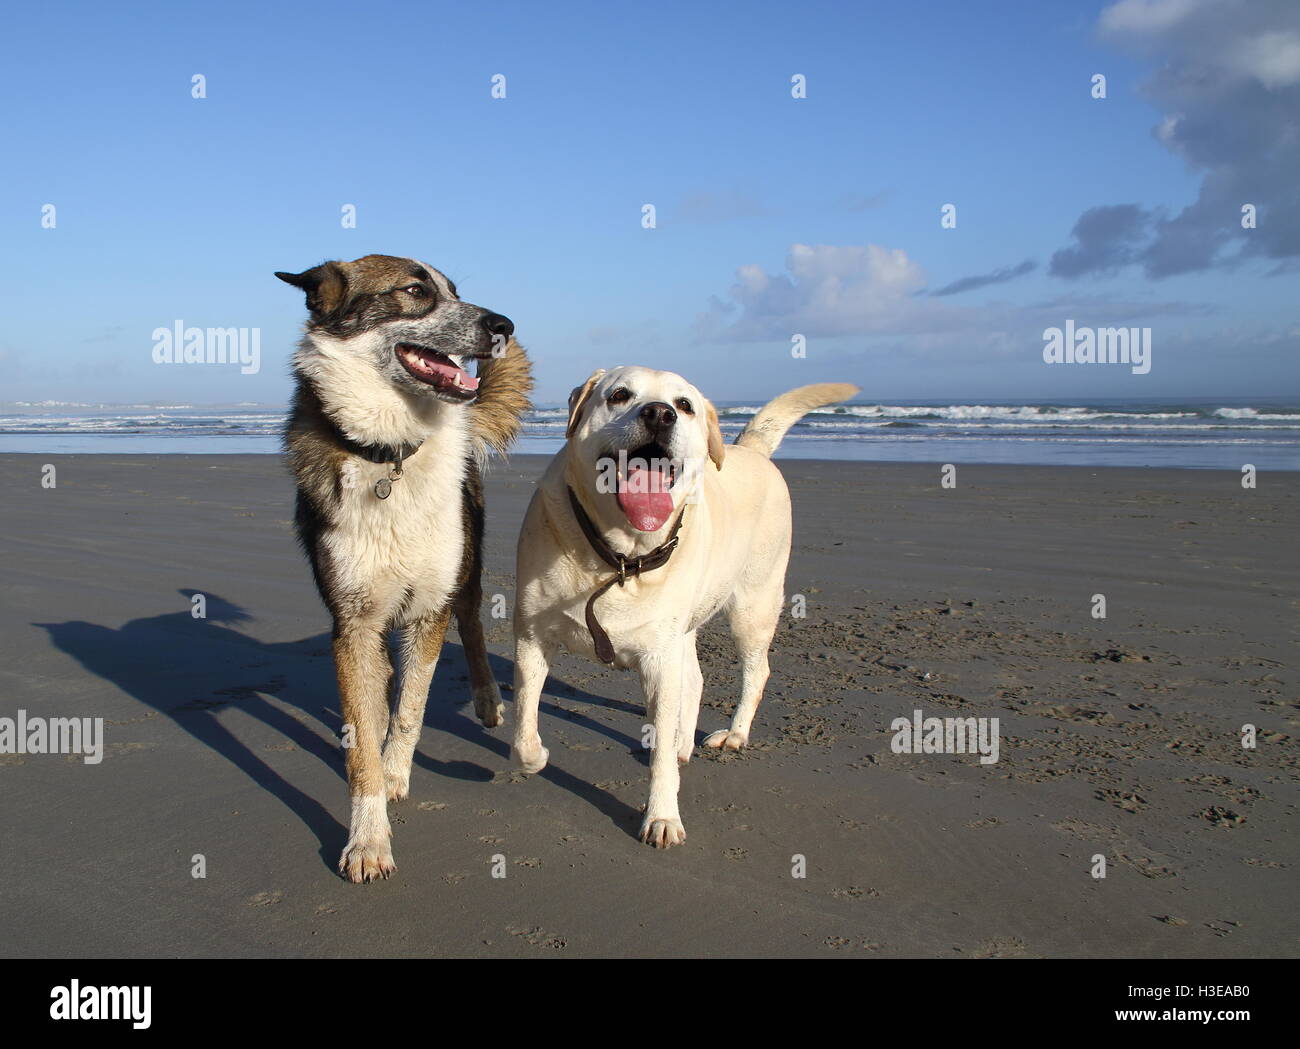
<point>1119,737</point>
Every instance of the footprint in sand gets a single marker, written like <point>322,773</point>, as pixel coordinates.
<point>266,899</point>
<point>537,937</point>
<point>1129,801</point>
<point>840,943</point>
<point>853,892</point>
<point>1000,947</point>
<point>1221,817</point>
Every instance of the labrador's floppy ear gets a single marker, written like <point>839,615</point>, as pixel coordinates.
<point>324,285</point>
<point>717,450</point>
<point>577,399</point>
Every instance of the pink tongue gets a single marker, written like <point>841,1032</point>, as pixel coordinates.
<point>644,497</point>
<point>449,373</point>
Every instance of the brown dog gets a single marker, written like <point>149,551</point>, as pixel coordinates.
<point>387,439</point>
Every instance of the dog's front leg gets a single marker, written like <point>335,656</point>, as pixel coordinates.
<point>421,646</point>
<point>531,666</point>
<point>361,659</point>
<point>661,678</point>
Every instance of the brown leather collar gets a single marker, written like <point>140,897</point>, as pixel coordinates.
<point>625,566</point>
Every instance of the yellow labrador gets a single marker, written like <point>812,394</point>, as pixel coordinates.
<point>644,526</point>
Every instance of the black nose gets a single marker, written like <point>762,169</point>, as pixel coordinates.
<point>658,416</point>
<point>495,324</point>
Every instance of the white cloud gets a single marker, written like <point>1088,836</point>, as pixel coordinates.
<point>1271,58</point>
<point>826,290</point>
<point>868,292</point>
<point>1146,16</point>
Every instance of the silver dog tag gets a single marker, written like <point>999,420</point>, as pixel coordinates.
<point>383,488</point>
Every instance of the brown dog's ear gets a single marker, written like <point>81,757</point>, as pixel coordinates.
<point>717,450</point>
<point>577,399</point>
<point>324,285</point>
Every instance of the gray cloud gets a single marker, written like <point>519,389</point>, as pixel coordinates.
<point>106,335</point>
<point>983,280</point>
<point>1105,239</point>
<point>863,201</point>
<point>706,208</point>
<point>1229,85</point>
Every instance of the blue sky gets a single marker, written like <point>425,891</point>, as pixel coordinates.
<point>174,208</point>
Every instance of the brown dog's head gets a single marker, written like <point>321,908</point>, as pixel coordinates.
<point>398,320</point>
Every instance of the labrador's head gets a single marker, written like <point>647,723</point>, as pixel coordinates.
<point>638,441</point>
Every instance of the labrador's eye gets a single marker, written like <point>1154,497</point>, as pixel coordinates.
<point>416,291</point>
<point>620,396</point>
<point>683,405</point>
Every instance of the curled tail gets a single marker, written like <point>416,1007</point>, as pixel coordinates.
<point>497,415</point>
<point>766,429</point>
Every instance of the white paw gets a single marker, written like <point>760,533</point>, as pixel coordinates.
<point>685,749</point>
<point>531,758</point>
<point>488,705</point>
<point>397,786</point>
<point>725,739</point>
<point>397,771</point>
<point>367,861</point>
<point>662,833</point>
<point>368,855</point>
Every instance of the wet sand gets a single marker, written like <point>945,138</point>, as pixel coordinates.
<point>1120,737</point>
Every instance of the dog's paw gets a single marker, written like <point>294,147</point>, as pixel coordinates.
<point>397,786</point>
<point>366,861</point>
<point>662,833</point>
<point>684,751</point>
<point>530,758</point>
<point>488,706</point>
<point>397,772</point>
<point>725,739</point>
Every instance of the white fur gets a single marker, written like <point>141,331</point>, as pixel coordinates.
<point>368,853</point>
<point>360,399</point>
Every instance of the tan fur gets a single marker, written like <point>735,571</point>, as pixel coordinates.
<point>497,415</point>
<point>717,449</point>
<point>766,429</point>
<point>363,667</point>
<point>577,398</point>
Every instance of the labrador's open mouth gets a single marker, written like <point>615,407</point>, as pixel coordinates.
<point>645,479</point>
<point>439,370</point>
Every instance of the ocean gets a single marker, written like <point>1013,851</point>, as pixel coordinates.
<point>1219,434</point>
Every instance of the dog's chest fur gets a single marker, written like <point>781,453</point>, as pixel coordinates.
<point>388,560</point>
<point>405,550</point>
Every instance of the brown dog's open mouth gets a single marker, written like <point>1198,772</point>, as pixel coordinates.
<point>437,370</point>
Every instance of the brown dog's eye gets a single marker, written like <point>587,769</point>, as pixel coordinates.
<point>418,291</point>
<point>683,405</point>
<point>620,395</point>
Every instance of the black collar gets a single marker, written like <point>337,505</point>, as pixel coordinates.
<point>378,453</point>
<point>625,566</point>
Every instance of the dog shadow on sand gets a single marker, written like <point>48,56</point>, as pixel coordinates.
<point>195,671</point>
